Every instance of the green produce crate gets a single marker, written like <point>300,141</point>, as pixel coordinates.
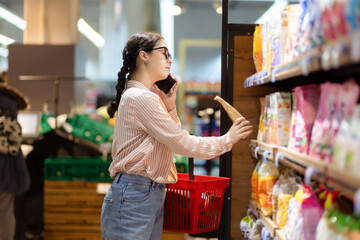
<point>93,169</point>
<point>86,128</point>
<point>44,125</point>
<point>181,163</point>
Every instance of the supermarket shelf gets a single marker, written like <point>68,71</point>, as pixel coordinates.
<point>264,147</point>
<point>342,180</point>
<point>332,56</point>
<point>268,222</point>
<point>265,220</point>
<point>303,159</point>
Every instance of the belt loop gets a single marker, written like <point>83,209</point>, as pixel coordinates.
<point>118,180</point>
<point>153,184</point>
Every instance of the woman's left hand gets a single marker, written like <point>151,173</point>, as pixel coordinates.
<point>168,99</point>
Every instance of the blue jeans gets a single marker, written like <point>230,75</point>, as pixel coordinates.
<point>133,208</point>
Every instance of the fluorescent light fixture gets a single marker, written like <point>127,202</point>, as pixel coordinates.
<point>12,18</point>
<point>167,23</point>
<point>6,40</point>
<point>275,8</point>
<point>4,52</point>
<point>90,33</point>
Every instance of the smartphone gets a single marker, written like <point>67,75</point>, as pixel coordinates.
<point>166,84</point>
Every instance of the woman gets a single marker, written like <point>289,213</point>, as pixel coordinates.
<point>147,132</point>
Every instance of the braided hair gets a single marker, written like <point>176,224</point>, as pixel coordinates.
<point>144,41</point>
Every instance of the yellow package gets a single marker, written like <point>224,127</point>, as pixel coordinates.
<point>268,175</point>
<point>257,48</point>
<point>282,209</point>
<point>255,182</point>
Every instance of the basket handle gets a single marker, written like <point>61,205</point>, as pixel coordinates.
<point>191,168</point>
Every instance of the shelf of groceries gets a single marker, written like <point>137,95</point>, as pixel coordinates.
<point>334,55</point>
<point>268,222</point>
<point>327,173</point>
<point>312,129</point>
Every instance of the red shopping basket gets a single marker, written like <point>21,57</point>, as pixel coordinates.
<point>194,206</point>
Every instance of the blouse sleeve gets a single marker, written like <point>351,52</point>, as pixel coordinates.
<point>157,122</point>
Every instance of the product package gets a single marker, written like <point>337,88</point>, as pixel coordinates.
<point>268,175</point>
<point>255,182</point>
<point>292,43</point>
<point>261,130</point>
<point>257,48</point>
<point>307,101</point>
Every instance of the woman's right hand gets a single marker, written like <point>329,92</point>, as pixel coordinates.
<point>239,130</point>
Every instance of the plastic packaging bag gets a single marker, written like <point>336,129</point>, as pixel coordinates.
<point>268,174</point>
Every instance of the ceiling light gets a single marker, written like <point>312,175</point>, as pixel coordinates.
<point>176,10</point>
<point>218,7</point>
<point>12,18</point>
<point>90,33</point>
<point>219,10</point>
<point>4,52</point>
<point>5,40</point>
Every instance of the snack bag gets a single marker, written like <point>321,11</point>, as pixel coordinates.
<point>283,108</point>
<point>283,35</point>
<point>272,133</point>
<point>292,138</point>
<point>255,182</point>
<point>275,196</point>
<point>261,130</point>
<point>311,212</point>
<point>346,101</point>
<point>352,155</point>
<point>268,174</point>
<point>257,48</point>
<point>267,117</point>
<point>292,43</point>
<point>287,190</point>
<point>307,101</point>
<point>327,108</point>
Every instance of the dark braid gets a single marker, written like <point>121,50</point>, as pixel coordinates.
<point>138,42</point>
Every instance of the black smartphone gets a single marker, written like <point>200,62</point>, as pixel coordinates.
<point>166,84</point>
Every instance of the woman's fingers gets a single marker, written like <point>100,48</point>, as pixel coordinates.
<point>245,134</point>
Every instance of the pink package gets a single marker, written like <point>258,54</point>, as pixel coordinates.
<point>336,103</point>
<point>307,101</point>
<point>327,25</point>
<point>311,212</point>
<point>346,101</point>
<point>327,108</point>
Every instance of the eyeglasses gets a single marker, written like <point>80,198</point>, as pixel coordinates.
<point>166,52</point>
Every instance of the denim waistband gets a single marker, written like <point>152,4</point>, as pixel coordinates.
<point>131,178</point>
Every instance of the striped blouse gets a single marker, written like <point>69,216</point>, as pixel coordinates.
<point>146,135</point>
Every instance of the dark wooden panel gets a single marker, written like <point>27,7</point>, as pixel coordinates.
<point>44,60</point>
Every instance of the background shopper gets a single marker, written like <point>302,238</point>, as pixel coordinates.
<point>14,177</point>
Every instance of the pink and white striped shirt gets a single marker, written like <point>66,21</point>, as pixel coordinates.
<point>146,135</point>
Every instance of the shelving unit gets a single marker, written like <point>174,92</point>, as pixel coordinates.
<point>342,180</point>
<point>332,56</point>
<point>242,87</point>
<point>274,230</point>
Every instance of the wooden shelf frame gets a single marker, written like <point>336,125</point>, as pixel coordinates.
<point>333,55</point>
<point>266,221</point>
<point>342,180</point>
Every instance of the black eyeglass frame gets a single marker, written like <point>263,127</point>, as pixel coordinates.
<point>166,52</point>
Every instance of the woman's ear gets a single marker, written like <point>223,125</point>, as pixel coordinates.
<point>143,56</point>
